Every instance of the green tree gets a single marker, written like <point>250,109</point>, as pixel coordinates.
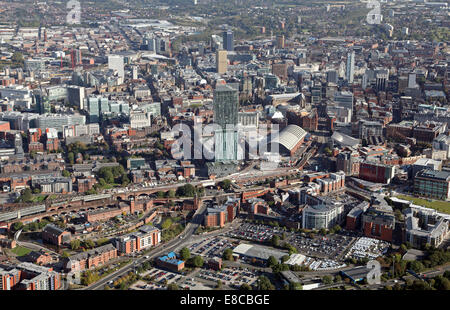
<point>17,226</point>
<point>27,195</point>
<point>225,184</point>
<point>295,287</point>
<point>272,261</point>
<point>198,261</point>
<point>171,194</point>
<point>166,223</point>
<point>275,240</point>
<point>66,173</point>
<point>185,254</point>
<point>245,287</point>
<point>71,158</point>
<point>173,287</point>
<point>327,280</point>
<point>75,244</point>
<point>264,284</point>
<point>228,254</point>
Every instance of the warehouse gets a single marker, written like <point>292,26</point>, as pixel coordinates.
<point>256,252</point>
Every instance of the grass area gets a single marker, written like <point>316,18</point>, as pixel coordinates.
<point>442,206</point>
<point>21,251</point>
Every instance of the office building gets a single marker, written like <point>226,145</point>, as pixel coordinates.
<point>322,216</point>
<point>432,184</point>
<point>226,106</point>
<point>350,67</point>
<point>221,61</point>
<point>227,38</point>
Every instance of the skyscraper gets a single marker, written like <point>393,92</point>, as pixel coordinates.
<point>226,106</point>
<point>280,41</point>
<point>221,61</point>
<point>350,67</point>
<point>228,44</point>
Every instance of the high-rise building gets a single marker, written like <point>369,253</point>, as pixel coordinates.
<point>226,106</point>
<point>228,43</point>
<point>332,76</point>
<point>116,62</point>
<point>382,76</point>
<point>221,61</point>
<point>76,95</point>
<point>280,41</point>
<point>350,67</point>
<point>412,80</point>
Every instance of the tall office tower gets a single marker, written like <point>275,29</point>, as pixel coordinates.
<point>135,72</point>
<point>350,67</point>
<point>226,107</point>
<point>332,76</point>
<point>228,44</point>
<point>115,62</point>
<point>221,61</point>
<point>78,57</point>
<point>280,41</point>
<point>42,103</point>
<point>382,76</point>
<point>412,80</point>
<point>76,95</point>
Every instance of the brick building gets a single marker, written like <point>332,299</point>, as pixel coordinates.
<point>92,258</point>
<point>55,235</point>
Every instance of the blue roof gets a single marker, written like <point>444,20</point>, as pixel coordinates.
<point>171,258</point>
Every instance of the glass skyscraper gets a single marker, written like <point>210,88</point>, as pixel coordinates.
<point>228,44</point>
<point>350,68</point>
<point>226,107</point>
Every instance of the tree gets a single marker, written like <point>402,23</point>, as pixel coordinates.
<point>327,280</point>
<point>284,258</point>
<point>245,287</point>
<point>75,244</point>
<point>264,284</point>
<point>27,195</point>
<point>66,173</point>
<point>173,287</point>
<point>198,261</point>
<point>185,254</point>
<point>71,158</point>
<point>166,223</point>
<point>295,287</point>
<point>337,279</point>
<point>171,194</point>
<point>18,226</point>
<point>272,261</point>
<point>88,243</point>
<point>125,180</point>
<point>219,284</point>
<point>106,174</point>
<point>275,240</point>
<point>228,254</point>
<point>225,184</point>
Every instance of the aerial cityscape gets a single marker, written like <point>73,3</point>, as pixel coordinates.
<point>225,145</point>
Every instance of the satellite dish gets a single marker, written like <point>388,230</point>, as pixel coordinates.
<point>17,234</point>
